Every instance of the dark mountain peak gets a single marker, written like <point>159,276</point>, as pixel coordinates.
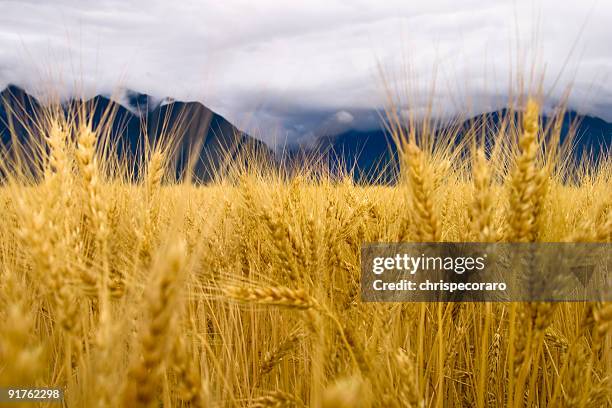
<point>102,103</point>
<point>17,103</point>
<point>137,99</point>
<point>14,91</point>
<point>190,118</point>
<point>139,103</point>
<point>187,107</point>
<point>136,103</point>
<point>16,96</point>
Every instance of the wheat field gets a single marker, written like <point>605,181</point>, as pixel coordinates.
<point>246,292</point>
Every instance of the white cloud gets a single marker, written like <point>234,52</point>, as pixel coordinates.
<point>344,117</point>
<point>280,66</point>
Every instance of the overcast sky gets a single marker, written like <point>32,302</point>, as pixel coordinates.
<point>279,68</point>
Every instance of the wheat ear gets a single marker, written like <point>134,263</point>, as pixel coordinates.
<point>140,389</point>
<point>96,205</point>
<point>526,181</point>
<point>190,387</point>
<point>274,357</point>
<point>277,399</point>
<point>408,387</point>
<point>152,184</point>
<point>272,295</point>
<point>427,223</point>
<point>482,209</point>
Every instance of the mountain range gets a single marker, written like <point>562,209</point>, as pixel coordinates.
<point>203,139</point>
<point>215,142</point>
<point>372,154</point>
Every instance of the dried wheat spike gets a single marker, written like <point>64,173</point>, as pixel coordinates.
<point>272,295</point>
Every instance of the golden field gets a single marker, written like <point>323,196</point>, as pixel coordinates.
<point>246,291</point>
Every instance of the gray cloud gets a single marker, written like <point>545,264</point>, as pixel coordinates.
<point>288,69</point>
